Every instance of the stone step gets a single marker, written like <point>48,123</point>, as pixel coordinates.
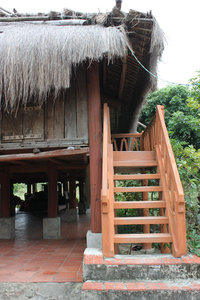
<point>139,267</point>
<point>145,290</point>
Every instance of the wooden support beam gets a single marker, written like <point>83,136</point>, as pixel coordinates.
<point>123,77</point>
<point>81,189</point>
<point>28,189</point>
<point>72,193</point>
<point>42,155</point>
<point>95,141</point>
<point>5,193</point>
<point>52,191</point>
<point>34,188</point>
<point>146,227</point>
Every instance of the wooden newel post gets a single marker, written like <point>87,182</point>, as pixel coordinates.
<point>72,193</point>
<point>95,142</point>
<point>52,191</point>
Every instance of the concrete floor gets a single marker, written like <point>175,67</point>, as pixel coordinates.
<point>29,258</point>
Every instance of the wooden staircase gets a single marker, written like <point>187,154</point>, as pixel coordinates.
<point>146,163</point>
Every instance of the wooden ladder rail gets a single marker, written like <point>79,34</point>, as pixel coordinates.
<point>107,192</point>
<point>155,137</point>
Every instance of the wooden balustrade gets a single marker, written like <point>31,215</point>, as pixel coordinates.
<point>155,137</point>
<point>127,141</point>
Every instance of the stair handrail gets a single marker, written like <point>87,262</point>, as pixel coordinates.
<point>155,137</point>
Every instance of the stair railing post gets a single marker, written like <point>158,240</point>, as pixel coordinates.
<point>107,194</point>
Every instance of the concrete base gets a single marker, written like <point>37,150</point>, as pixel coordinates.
<point>51,228</point>
<point>94,240</point>
<point>7,228</point>
<point>70,216</point>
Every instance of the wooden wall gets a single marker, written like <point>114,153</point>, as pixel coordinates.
<point>59,122</point>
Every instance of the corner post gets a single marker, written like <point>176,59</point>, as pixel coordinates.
<point>95,141</point>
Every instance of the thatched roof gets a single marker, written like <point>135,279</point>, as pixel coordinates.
<point>36,56</point>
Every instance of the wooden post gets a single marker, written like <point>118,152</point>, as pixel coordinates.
<point>95,141</point>
<point>28,186</point>
<point>146,228</point>
<point>34,188</point>
<point>5,193</point>
<point>72,193</point>
<point>52,191</point>
<point>81,194</point>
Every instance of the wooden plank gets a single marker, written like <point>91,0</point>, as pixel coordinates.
<point>138,189</point>
<point>55,118</point>
<point>136,176</point>
<point>33,123</point>
<point>140,221</point>
<point>70,111</point>
<point>53,143</point>
<point>11,126</point>
<point>139,204</point>
<point>95,142</point>
<point>143,238</point>
<point>81,102</point>
<point>132,163</point>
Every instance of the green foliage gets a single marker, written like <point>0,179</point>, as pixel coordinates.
<point>182,117</point>
<point>19,189</point>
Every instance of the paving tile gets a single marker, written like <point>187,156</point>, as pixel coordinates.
<point>194,259</point>
<point>65,275</point>
<point>157,286</point>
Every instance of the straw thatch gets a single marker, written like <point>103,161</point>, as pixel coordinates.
<point>37,58</point>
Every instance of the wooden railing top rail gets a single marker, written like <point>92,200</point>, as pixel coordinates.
<point>126,135</point>
<point>170,154</point>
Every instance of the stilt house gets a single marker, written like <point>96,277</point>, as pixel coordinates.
<point>71,91</point>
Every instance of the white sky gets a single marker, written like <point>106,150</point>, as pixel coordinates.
<point>179,19</point>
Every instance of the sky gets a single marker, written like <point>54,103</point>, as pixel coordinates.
<point>179,19</point>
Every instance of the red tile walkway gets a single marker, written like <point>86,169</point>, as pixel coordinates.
<point>28,258</point>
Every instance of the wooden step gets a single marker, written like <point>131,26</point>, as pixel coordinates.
<point>136,189</point>
<point>134,155</point>
<point>139,204</point>
<point>140,220</point>
<point>133,163</point>
<point>134,159</point>
<point>142,238</point>
<point>136,176</point>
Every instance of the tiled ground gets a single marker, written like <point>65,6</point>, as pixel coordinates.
<point>30,259</point>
